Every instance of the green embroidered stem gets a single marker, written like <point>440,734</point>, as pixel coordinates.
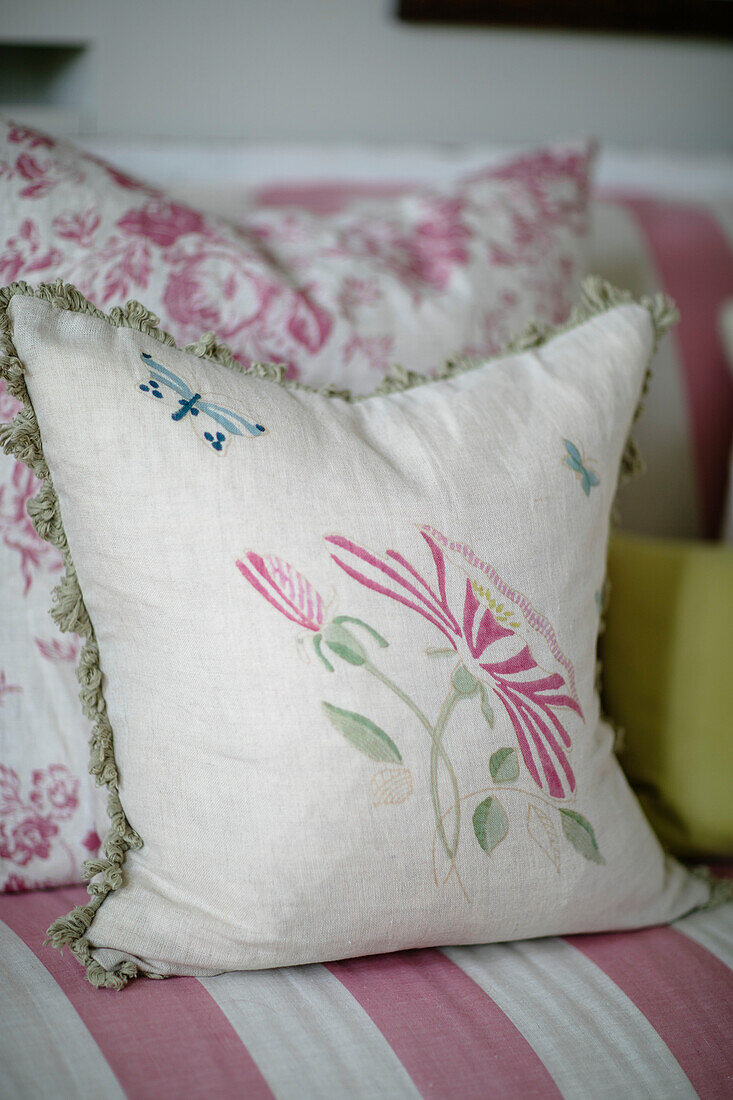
<point>22,438</point>
<point>437,748</point>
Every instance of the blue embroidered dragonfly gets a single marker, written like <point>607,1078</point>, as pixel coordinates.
<point>576,462</point>
<point>193,404</point>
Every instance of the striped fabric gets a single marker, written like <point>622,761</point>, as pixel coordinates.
<point>638,1014</point>
<point>691,255</point>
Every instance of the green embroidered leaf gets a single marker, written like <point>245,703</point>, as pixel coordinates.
<point>363,734</point>
<point>346,654</point>
<point>579,832</point>
<point>343,643</point>
<point>464,681</point>
<point>490,824</point>
<point>319,652</point>
<point>381,642</point>
<point>504,766</point>
<point>486,708</point>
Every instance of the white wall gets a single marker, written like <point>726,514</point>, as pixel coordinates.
<point>345,69</point>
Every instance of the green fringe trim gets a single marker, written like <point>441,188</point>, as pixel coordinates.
<point>721,889</point>
<point>22,438</point>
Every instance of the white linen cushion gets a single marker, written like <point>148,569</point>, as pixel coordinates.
<point>348,655</point>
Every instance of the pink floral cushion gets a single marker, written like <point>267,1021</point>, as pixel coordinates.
<point>413,278</point>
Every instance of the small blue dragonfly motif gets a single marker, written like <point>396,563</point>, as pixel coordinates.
<point>192,404</point>
<point>576,462</point>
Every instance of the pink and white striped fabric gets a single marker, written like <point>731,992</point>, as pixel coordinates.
<point>686,432</point>
<point>638,1014</point>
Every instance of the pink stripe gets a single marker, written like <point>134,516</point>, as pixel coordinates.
<point>161,1039</point>
<point>722,870</point>
<point>329,197</point>
<point>449,1035</point>
<point>685,993</point>
<point>695,263</point>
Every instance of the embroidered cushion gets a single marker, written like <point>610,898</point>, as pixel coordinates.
<point>666,663</point>
<point>419,277</point>
<point>340,655</point>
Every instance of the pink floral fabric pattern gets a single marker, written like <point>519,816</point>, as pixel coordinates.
<point>336,299</point>
<point>8,405</point>
<point>7,688</point>
<point>60,649</point>
<point>36,825</point>
<point>17,530</point>
<point>387,267</point>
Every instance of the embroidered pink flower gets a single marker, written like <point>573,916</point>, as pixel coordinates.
<point>161,222</point>
<point>296,598</point>
<point>54,792</point>
<point>18,533</point>
<point>488,645</point>
<point>285,588</point>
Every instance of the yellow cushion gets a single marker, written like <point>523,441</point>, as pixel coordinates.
<point>668,682</point>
